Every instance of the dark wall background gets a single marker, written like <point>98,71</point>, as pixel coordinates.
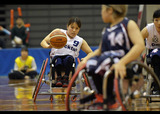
<point>45,18</point>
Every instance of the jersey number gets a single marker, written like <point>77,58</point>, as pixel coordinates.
<point>116,39</point>
<point>75,43</point>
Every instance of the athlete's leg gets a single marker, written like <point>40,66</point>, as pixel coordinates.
<point>67,62</point>
<point>58,68</point>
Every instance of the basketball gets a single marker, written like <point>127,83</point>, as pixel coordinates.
<point>58,39</point>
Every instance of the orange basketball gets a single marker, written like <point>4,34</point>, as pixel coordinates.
<point>58,39</point>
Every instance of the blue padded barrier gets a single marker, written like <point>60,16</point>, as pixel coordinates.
<point>7,58</point>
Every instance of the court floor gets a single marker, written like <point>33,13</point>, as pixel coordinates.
<point>16,95</point>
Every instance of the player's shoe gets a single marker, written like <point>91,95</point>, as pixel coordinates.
<point>58,81</point>
<point>65,81</point>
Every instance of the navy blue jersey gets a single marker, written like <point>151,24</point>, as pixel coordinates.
<point>115,40</point>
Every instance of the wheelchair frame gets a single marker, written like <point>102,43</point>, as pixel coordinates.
<point>41,80</point>
<point>117,84</point>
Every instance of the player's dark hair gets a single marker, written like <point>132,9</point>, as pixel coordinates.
<point>156,14</point>
<point>74,20</point>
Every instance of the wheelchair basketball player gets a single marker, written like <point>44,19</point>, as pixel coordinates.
<point>121,43</point>
<point>152,35</point>
<point>66,55</point>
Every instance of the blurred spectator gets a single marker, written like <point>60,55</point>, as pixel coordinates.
<point>25,66</point>
<point>19,34</point>
<point>3,40</point>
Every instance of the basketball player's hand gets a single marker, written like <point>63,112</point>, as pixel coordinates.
<point>82,59</point>
<point>49,46</point>
<point>119,70</point>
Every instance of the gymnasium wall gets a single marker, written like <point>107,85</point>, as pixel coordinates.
<point>45,18</point>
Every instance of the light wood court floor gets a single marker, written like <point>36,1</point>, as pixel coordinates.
<point>17,96</point>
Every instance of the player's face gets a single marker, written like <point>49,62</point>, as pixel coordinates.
<point>72,30</point>
<point>157,23</point>
<point>105,14</point>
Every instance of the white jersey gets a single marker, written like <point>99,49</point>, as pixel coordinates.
<point>153,40</point>
<point>72,47</point>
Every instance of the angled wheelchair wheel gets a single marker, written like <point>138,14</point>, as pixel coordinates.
<point>131,91</point>
<point>37,88</point>
<point>38,79</point>
<point>73,93</point>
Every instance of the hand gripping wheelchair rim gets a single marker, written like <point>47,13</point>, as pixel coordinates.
<point>118,86</point>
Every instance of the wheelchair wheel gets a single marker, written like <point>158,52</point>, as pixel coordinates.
<point>73,94</point>
<point>40,80</point>
<point>131,91</point>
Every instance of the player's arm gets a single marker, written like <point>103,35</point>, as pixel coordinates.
<point>137,40</point>
<point>144,32</point>
<point>92,54</point>
<point>97,52</point>
<point>45,42</point>
<point>85,47</point>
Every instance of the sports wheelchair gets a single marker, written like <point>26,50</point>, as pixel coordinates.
<point>50,80</point>
<point>128,91</point>
<point>149,96</point>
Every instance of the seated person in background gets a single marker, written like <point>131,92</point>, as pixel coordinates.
<point>19,34</point>
<point>25,66</point>
<point>66,55</point>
